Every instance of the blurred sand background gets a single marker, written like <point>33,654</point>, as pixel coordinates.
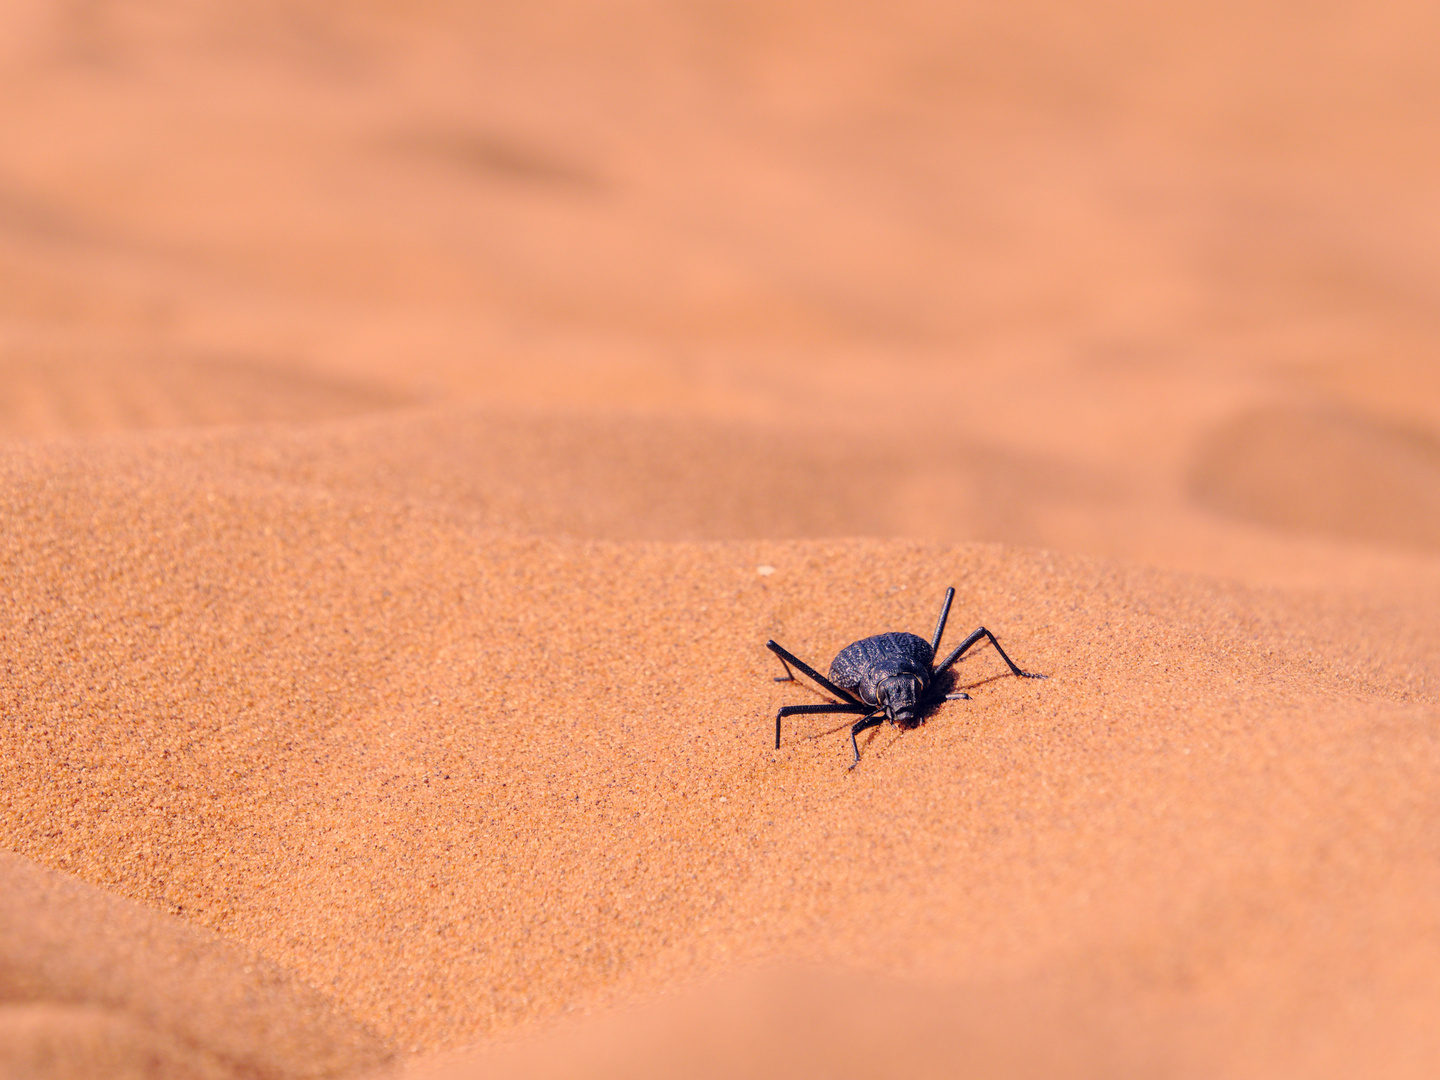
<point>398,401</point>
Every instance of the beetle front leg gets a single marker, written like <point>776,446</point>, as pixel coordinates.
<point>874,720</point>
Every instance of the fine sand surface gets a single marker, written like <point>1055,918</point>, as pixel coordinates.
<point>415,419</point>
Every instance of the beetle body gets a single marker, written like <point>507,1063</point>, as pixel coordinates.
<point>889,671</point>
<point>885,678</point>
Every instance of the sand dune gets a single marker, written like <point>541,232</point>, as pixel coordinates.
<point>91,984</point>
<point>460,779</point>
<point>1328,473</point>
<point>415,420</point>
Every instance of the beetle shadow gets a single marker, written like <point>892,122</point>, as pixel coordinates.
<point>829,731</point>
<point>867,738</point>
<point>870,752</point>
<point>821,696</point>
<point>956,686</point>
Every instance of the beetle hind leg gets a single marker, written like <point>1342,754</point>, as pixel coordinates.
<point>968,643</point>
<point>789,660</point>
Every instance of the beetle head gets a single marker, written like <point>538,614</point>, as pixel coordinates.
<point>899,696</point>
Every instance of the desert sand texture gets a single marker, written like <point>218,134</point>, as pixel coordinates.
<point>415,419</point>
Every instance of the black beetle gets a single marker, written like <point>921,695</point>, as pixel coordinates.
<point>889,677</point>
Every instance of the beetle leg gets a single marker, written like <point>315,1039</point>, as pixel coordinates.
<point>828,707</point>
<point>964,647</point>
<point>873,720</point>
<point>806,669</point>
<point>789,675</point>
<point>940,626</point>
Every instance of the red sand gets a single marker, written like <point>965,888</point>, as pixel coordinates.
<point>396,408</point>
